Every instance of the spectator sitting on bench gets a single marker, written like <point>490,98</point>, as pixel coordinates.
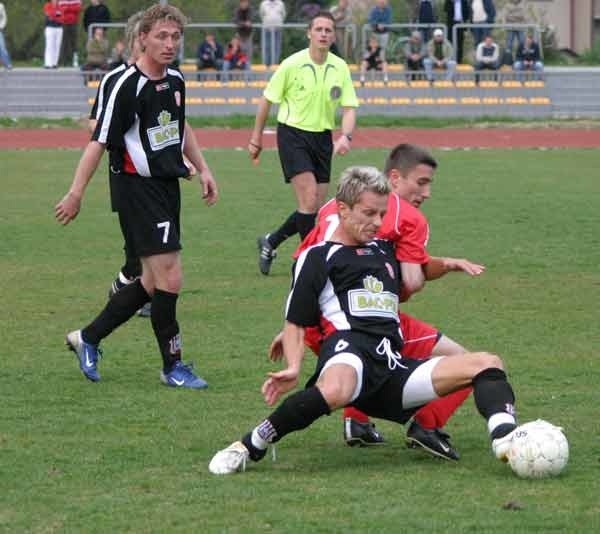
<point>235,58</point>
<point>210,53</point>
<point>439,56</point>
<point>528,56</point>
<point>118,56</point>
<point>487,55</point>
<point>414,52</point>
<point>97,51</point>
<point>373,59</point>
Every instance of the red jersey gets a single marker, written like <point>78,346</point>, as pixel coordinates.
<point>403,224</point>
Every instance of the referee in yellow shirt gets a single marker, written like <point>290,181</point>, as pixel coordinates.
<point>308,86</point>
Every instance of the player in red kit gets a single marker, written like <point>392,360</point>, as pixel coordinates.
<point>410,170</point>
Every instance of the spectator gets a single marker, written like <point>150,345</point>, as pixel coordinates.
<point>242,17</point>
<point>515,12</point>
<point>4,55</point>
<point>483,12</point>
<point>373,59</point>
<point>426,15</point>
<point>210,53</point>
<point>380,17</point>
<point>119,55</point>
<point>342,14</point>
<point>235,58</point>
<point>96,51</point>
<point>487,55</point>
<point>439,56</point>
<point>53,33</point>
<point>308,9</point>
<point>272,15</point>
<point>95,13</point>
<point>414,52</point>
<point>528,56</point>
<point>71,10</point>
<point>457,12</point>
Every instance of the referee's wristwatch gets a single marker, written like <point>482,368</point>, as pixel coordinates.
<point>348,136</point>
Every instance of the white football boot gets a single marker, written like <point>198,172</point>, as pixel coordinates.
<point>229,460</point>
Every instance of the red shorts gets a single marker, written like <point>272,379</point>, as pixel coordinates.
<point>419,338</point>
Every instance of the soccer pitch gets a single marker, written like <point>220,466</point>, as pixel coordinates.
<point>128,454</point>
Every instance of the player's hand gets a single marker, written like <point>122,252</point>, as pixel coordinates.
<point>278,384</point>
<point>342,145</point>
<point>68,208</point>
<point>210,191</point>
<point>466,266</point>
<point>254,149</point>
<point>276,348</point>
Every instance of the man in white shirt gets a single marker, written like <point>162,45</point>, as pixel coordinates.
<point>272,15</point>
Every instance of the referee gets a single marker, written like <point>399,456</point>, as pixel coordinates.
<point>143,126</point>
<point>309,86</point>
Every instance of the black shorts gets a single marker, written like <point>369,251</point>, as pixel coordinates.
<point>302,151</point>
<point>149,214</point>
<point>381,394</point>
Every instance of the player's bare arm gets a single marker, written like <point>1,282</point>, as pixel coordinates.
<point>343,142</point>
<point>440,266</point>
<point>191,150</point>
<point>281,382</point>
<point>255,143</point>
<point>276,347</point>
<point>68,208</point>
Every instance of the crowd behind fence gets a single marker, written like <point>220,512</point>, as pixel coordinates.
<point>293,37</point>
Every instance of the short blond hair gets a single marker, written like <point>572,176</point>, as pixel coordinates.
<point>157,13</point>
<point>355,181</point>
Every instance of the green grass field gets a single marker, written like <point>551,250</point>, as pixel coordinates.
<point>128,454</point>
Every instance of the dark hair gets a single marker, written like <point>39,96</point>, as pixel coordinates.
<point>406,157</point>
<point>321,15</point>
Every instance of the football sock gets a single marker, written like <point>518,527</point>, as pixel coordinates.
<point>286,230</point>
<point>305,223</point>
<point>355,414</point>
<point>436,413</point>
<point>296,412</point>
<point>494,399</point>
<point>120,307</point>
<point>132,268</point>
<point>166,328</point>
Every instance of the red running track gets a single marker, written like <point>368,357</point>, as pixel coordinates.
<point>363,138</point>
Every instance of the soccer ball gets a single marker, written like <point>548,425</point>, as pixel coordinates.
<point>538,449</point>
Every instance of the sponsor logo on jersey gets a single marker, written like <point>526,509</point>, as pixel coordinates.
<point>165,134</point>
<point>161,86</point>
<point>364,252</point>
<point>177,95</point>
<point>373,301</point>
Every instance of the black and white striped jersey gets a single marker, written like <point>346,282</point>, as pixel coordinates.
<point>341,287</point>
<point>143,124</point>
<point>104,90</point>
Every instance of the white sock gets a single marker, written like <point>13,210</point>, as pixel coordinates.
<point>257,441</point>
<point>500,418</point>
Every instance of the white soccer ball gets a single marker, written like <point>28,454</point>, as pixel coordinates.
<point>538,449</point>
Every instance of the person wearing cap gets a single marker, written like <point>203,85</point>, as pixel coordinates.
<point>439,56</point>
<point>414,52</point>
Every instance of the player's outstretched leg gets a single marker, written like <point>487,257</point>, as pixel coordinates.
<point>296,412</point>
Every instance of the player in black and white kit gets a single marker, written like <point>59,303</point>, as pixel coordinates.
<point>143,126</point>
<point>350,285</point>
